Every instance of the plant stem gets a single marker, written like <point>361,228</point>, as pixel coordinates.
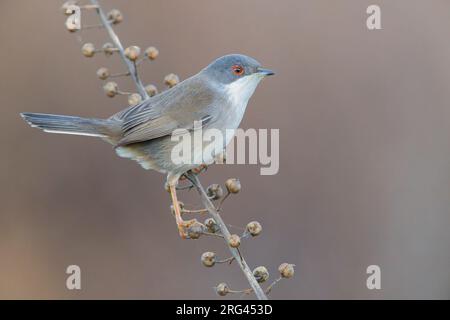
<point>223,228</point>
<point>115,39</point>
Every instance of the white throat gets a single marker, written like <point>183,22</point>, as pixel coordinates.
<point>240,91</point>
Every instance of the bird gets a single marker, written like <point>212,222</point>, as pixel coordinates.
<point>216,97</point>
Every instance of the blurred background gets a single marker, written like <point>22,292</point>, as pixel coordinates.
<point>364,176</point>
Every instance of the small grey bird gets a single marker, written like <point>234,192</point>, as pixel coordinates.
<point>217,96</point>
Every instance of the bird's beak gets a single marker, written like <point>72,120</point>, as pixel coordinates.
<point>265,72</point>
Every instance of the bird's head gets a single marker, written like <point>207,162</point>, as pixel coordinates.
<point>238,74</point>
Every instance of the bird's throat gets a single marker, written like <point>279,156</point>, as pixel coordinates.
<point>240,91</point>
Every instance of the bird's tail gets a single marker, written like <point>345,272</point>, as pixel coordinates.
<point>69,125</point>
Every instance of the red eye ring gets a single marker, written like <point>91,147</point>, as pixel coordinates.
<point>237,70</point>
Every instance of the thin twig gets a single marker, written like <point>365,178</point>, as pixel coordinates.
<point>212,234</point>
<point>227,260</point>
<point>199,211</point>
<point>259,292</point>
<point>115,39</point>
<point>244,291</point>
<point>269,288</point>
<point>219,207</point>
<point>117,75</point>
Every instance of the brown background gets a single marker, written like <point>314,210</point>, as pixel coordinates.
<point>364,177</point>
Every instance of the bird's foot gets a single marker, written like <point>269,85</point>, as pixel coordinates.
<point>190,229</point>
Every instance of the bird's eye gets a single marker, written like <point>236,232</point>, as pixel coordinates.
<point>237,70</point>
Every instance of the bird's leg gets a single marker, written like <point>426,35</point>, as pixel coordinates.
<point>182,225</point>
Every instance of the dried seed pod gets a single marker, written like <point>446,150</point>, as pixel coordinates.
<point>171,80</point>
<point>196,230</point>
<point>208,259</point>
<point>261,274</point>
<point>132,52</point>
<point>134,99</point>
<point>211,224</point>
<point>108,48</point>
<point>115,16</point>
<point>214,192</point>
<point>233,185</point>
<point>234,241</point>
<point>151,53</point>
<point>65,8</point>
<point>254,228</point>
<point>286,270</point>
<point>111,89</point>
<point>88,50</point>
<point>103,73</point>
<point>151,90</point>
<point>222,289</point>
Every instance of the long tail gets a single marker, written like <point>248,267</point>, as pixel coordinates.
<point>70,125</point>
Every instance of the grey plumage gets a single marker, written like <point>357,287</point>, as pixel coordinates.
<point>194,99</point>
<point>68,124</point>
<point>217,96</point>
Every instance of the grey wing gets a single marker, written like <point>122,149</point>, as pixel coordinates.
<point>171,110</point>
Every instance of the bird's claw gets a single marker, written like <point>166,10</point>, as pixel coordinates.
<point>184,226</point>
